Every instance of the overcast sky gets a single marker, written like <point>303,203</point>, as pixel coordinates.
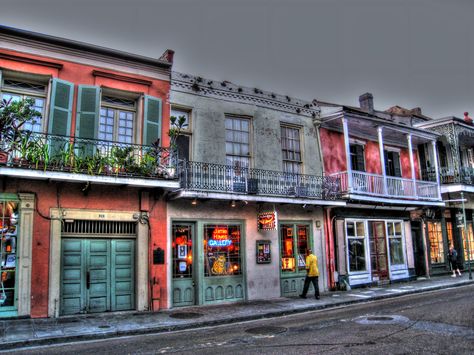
<point>405,52</point>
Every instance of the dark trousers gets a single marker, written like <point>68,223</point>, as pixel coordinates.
<point>314,280</point>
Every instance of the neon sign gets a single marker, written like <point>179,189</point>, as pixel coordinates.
<point>220,238</point>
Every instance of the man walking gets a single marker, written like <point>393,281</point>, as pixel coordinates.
<point>312,274</point>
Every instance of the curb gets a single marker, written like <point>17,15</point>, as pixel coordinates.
<point>164,329</point>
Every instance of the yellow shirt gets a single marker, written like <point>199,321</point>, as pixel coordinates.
<point>312,265</point>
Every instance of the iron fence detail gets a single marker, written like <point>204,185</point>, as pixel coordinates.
<point>225,178</point>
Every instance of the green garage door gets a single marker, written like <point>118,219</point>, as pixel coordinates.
<point>97,275</point>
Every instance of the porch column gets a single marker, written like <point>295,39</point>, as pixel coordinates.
<point>436,164</point>
<point>348,154</point>
<point>382,160</point>
<point>412,165</point>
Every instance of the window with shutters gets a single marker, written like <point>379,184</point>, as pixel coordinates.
<point>19,89</point>
<point>291,150</point>
<point>184,138</point>
<point>392,163</point>
<point>237,143</point>
<point>357,157</point>
<point>117,119</point>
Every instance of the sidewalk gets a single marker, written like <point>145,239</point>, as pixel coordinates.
<point>28,332</point>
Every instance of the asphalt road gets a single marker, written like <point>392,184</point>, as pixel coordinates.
<point>439,322</point>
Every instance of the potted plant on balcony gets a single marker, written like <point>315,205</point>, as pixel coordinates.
<point>13,115</point>
<point>177,125</point>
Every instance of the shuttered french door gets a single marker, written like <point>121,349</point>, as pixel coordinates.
<point>97,275</point>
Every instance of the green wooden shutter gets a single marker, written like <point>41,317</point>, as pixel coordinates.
<point>87,121</point>
<point>60,111</point>
<point>152,120</point>
<point>88,104</point>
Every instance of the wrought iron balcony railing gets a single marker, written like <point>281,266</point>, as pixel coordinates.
<point>200,176</point>
<point>373,184</point>
<point>90,156</point>
<point>447,175</point>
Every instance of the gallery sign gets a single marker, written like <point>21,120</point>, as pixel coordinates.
<point>267,221</point>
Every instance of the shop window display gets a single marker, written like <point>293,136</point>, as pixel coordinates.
<point>294,245</point>
<point>8,252</point>
<point>222,250</point>
<point>182,251</point>
<point>435,236</point>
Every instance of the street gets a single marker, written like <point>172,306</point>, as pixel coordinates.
<point>439,322</point>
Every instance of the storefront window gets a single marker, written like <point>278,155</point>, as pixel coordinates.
<point>470,240</point>
<point>182,251</point>
<point>222,250</point>
<point>436,242</point>
<point>294,246</point>
<point>8,248</point>
<point>355,232</point>
<point>395,243</point>
<point>449,229</point>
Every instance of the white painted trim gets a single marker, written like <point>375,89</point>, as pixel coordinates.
<point>456,188</point>
<point>239,197</point>
<point>357,141</point>
<point>100,180</point>
<point>396,201</point>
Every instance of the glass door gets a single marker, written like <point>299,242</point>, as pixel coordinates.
<point>378,250</point>
<point>184,290</point>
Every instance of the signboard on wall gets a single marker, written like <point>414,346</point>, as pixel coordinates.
<point>267,221</point>
<point>264,255</point>
<point>459,220</point>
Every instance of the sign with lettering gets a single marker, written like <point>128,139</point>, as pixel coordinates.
<point>264,255</point>
<point>220,238</point>
<point>267,221</point>
<point>460,220</point>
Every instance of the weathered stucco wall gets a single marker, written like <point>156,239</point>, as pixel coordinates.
<point>208,128</point>
<point>262,280</point>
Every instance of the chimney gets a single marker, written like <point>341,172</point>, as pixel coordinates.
<point>416,111</point>
<point>366,102</point>
<point>467,119</point>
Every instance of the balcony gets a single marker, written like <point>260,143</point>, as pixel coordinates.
<point>207,177</point>
<point>396,188</point>
<point>77,159</point>
<point>465,175</point>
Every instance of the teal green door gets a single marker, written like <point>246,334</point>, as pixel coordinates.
<point>184,291</point>
<point>97,275</point>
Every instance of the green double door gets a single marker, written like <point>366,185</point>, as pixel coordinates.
<point>97,275</point>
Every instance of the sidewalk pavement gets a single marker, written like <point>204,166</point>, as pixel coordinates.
<point>30,332</point>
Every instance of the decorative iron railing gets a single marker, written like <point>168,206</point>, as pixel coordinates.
<point>90,156</point>
<point>374,185</point>
<point>225,178</point>
<point>447,175</point>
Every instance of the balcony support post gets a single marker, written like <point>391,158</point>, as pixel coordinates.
<point>348,154</point>
<point>436,164</point>
<point>382,160</point>
<point>412,165</point>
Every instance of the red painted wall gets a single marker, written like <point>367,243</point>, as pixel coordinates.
<point>334,154</point>
<point>103,197</point>
<point>372,158</point>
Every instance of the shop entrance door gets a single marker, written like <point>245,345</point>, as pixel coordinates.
<point>97,275</point>
<point>378,250</point>
<point>184,283</point>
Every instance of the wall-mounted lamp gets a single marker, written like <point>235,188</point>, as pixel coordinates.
<point>194,202</point>
<point>304,206</point>
<point>232,204</point>
<point>318,224</point>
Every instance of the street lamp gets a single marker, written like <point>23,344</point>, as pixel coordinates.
<point>464,227</point>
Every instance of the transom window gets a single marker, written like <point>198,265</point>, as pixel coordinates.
<point>237,145</point>
<point>291,150</point>
<point>117,116</point>
<point>19,90</point>
<point>355,231</point>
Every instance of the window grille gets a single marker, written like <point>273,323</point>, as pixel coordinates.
<point>99,227</point>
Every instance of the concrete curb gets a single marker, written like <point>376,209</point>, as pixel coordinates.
<point>200,324</point>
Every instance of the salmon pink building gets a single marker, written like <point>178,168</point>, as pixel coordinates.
<point>82,212</point>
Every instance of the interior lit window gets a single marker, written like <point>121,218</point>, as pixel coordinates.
<point>222,250</point>
<point>435,236</point>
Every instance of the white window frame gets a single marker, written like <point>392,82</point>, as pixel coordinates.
<point>300,141</point>
<point>237,157</point>
<point>366,247</point>
<point>117,109</point>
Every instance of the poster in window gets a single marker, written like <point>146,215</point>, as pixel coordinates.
<point>301,260</point>
<point>182,251</point>
<point>263,252</point>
